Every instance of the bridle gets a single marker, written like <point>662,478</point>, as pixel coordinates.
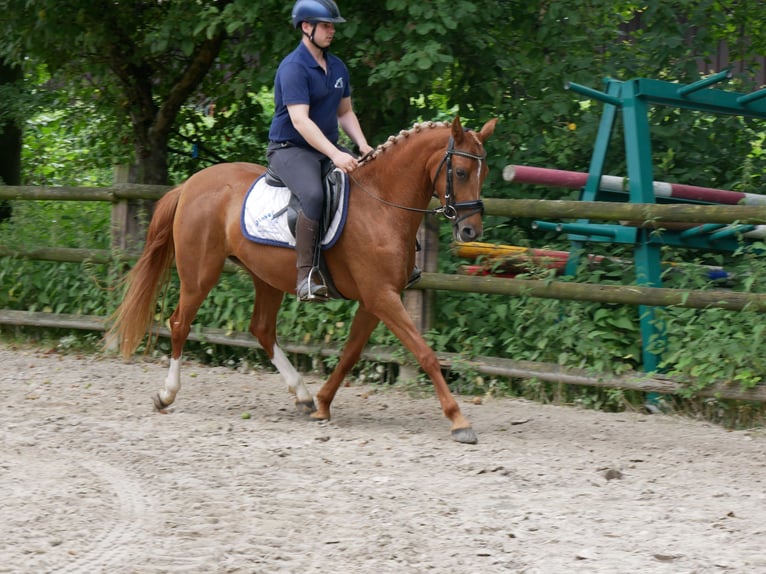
<point>450,207</point>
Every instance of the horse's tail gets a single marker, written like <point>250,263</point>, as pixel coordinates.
<point>132,319</point>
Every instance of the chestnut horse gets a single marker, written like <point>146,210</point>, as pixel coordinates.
<point>198,224</point>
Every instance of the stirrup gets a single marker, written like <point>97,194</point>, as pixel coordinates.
<point>313,288</point>
<point>414,277</point>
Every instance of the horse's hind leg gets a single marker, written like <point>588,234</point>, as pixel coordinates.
<point>263,326</point>
<point>361,329</point>
<point>196,282</point>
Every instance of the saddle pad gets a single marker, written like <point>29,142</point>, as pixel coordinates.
<point>265,215</point>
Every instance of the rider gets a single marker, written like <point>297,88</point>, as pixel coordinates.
<point>312,94</point>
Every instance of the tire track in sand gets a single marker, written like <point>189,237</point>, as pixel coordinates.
<point>72,513</point>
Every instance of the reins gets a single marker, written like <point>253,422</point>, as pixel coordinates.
<point>450,207</point>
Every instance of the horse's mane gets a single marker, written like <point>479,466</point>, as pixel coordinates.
<point>402,135</point>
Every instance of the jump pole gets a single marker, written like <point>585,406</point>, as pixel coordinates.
<point>576,180</point>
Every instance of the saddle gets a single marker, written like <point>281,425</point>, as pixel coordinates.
<point>270,211</point>
<point>332,187</point>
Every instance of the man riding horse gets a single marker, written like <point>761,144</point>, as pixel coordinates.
<point>312,94</point>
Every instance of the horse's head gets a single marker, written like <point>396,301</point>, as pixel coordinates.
<point>464,170</point>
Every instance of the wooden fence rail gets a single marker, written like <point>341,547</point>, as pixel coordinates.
<point>621,294</point>
<point>113,193</point>
<point>492,366</point>
<point>533,208</point>
<point>625,294</point>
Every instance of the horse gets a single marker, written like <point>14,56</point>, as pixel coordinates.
<point>197,224</point>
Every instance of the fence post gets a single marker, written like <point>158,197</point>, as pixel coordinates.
<point>420,303</point>
<point>128,227</point>
<point>129,216</point>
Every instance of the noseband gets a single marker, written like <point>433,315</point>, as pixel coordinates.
<point>451,207</point>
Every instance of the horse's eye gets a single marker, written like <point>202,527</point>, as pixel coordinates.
<point>461,173</point>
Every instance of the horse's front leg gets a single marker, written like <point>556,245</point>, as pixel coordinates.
<point>391,311</point>
<point>361,329</point>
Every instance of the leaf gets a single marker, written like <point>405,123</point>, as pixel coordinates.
<point>393,5</point>
<point>187,46</point>
<point>623,322</point>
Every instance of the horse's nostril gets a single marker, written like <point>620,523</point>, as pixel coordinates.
<point>468,233</point>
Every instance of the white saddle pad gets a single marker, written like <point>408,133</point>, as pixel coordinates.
<point>265,215</point>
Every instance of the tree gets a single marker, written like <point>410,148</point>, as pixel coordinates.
<point>152,65</point>
<point>10,135</point>
<point>139,60</point>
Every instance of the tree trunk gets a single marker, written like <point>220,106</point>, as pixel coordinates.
<point>10,143</point>
<point>151,160</point>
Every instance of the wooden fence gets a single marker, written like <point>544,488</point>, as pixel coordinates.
<point>121,195</point>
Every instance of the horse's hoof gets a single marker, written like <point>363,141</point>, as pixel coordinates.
<point>306,407</point>
<point>317,416</point>
<point>159,405</point>
<point>466,436</point>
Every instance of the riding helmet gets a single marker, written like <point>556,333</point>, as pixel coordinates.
<point>316,11</point>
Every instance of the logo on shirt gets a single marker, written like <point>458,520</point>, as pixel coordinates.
<point>339,84</point>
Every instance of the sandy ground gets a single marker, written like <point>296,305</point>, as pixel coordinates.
<point>92,480</point>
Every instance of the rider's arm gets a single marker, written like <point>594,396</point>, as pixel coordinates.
<point>299,115</point>
<point>350,124</point>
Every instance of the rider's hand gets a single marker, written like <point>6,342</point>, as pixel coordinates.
<point>364,150</point>
<point>345,162</point>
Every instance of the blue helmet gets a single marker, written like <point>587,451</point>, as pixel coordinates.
<point>316,11</point>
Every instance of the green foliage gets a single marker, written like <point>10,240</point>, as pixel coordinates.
<point>55,287</point>
<point>53,223</point>
<point>140,63</point>
<point>221,130</point>
<point>714,345</point>
<point>412,60</point>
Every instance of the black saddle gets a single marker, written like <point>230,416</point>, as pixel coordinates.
<point>332,185</point>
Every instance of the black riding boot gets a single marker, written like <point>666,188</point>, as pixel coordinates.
<point>310,285</point>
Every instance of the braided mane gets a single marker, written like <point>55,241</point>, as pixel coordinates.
<point>402,135</point>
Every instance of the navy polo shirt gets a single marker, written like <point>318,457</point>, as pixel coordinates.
<point>301,80</point>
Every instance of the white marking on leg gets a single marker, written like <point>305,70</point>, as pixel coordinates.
<point>172,382</point>
<point>291,376</point>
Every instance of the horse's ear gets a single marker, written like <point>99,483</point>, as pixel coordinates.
<point>487,130</point>
<point>457,131</point>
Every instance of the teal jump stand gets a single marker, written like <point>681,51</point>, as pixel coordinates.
<point>633,99</point>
